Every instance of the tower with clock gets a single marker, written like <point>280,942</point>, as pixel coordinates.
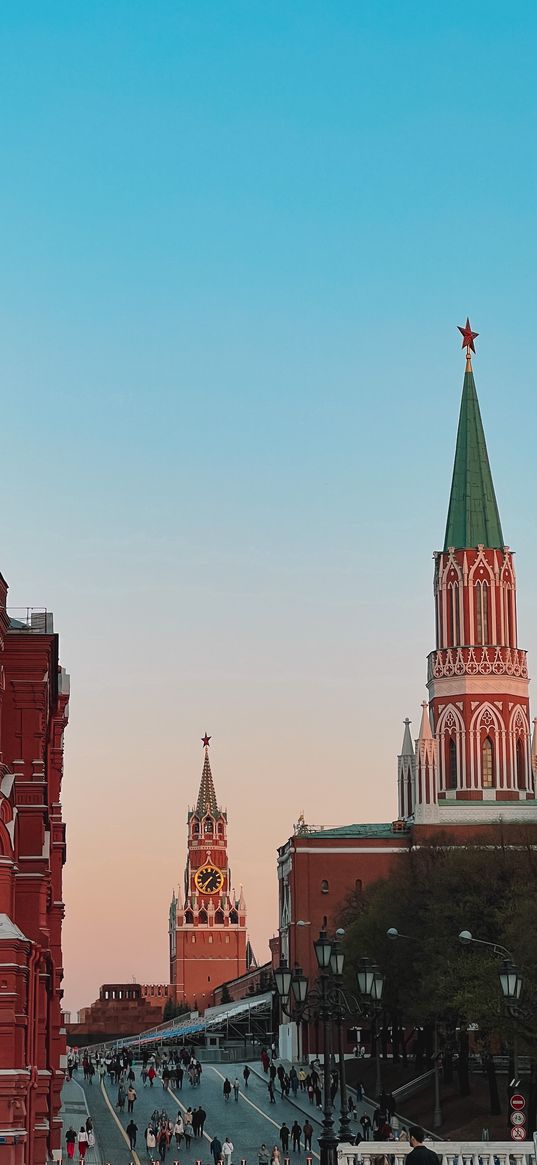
<point>207,927</point>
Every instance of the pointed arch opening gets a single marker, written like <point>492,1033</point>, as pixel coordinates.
<point>452,764</point>
<point>202,917</point>
<point>482,612</point>
<point>487,763</point>
<point>189,918</point>
<point>520,762</point>
<point>219,918</point>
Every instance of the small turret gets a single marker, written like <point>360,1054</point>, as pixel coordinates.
<point>405,774</point>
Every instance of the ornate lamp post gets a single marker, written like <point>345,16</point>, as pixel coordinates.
<point>371,985</point>
<point>325,1001</point>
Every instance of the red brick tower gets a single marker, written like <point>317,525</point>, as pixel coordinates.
<point>208,933</point>
<point>473,758</point>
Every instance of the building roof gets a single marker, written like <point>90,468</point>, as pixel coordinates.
<point>473,518</point>
<point>207,796</point>
<point>384,829</point>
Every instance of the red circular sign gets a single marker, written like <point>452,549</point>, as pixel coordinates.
<point>518,1134</point>
<point>518,1100</point>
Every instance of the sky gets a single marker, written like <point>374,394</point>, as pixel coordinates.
<point>236,242</point>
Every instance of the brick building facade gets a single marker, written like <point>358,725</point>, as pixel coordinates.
<point>34,696</point>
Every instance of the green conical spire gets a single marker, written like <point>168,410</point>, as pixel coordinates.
<point>473,518</point>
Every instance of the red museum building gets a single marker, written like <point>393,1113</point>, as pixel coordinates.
<point>473,766</point>
<point>34,697</point>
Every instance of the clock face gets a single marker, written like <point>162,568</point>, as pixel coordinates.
<point>209,879</point>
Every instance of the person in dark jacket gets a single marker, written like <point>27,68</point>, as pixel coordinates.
<point>420,1154</point>
<point>284,1137</point>
<point>296,1133</point>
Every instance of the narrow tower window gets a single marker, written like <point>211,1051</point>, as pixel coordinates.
<point>487,765</point>
<point>520,766</point>
<point>454,620</point>
<point>482,612</point>
<point>452,769</point>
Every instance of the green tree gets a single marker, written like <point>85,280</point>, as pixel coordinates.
<point>225,997</point>
<point>432,894</point>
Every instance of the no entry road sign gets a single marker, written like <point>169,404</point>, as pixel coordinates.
<point>518,1101</point>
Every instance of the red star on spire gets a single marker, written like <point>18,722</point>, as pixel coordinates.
<point>205,740</point>
<point>468,336</point>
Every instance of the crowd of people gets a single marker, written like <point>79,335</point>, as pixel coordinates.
<point>173,1069</point>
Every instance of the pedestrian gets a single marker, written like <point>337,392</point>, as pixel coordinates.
<point>365,1122</point>
<point>302,1079</point>
<point>91,1071</point>
<point>360,1092</point>
<point>275,1156</point>
<point>216,1149</point>
<point>420,1154</point>
<point>227,1150</point>
<point>121,1095</point>
<point>284,1137</point>
<point>246,1075</point>
<point>179,1073</point>
<point>162,1143</point>
<point>394,1121</point>
<point>307,1129</point>
<point>150,1142</point>
<point>293,1080</point>
<point>131,1097</point>
<point>187,1122</point>
<point>403,1135</point>
<point>271,1092</point>
<point>179,1130</point>
<point>151,1075</point>
<point>390,1106</point>
<point>70,1141</point>
<point>227,1089</point>
<point>144,1075</point>
<point>310,1088</point>
<point>131,1131</point>
<point>263,1155</point>
<point>296,1133</point>
<point>165,1078</point>
<point>202,1117</point>
<point>82,1142</point>
<point>236,1087</point>
<point>195,1122</point>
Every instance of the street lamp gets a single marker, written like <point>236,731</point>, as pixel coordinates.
<point>371,984</point>
<point>393,934</point>
<point>510,982</point>
<point>327,1001</point>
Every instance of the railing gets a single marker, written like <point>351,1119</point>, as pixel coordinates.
<point>37,619</point>
<point>473,661</point>
<point>449,1152</point>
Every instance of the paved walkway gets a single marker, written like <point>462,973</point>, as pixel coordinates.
<point>74,1111</point>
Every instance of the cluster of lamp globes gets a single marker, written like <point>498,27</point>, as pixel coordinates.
<point>330,958</point>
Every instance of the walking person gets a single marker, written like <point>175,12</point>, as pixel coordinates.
<point>296,1134</point>
<point>365,1122</point>
<point>270,1087</point>
<point>263,1155</point>
<point>246,1075</point>
<point>70,1141</point>
<point>178,1130</point>
<point>227,1089</point>
<point>227,1150</point>
<point>275,1156</point>
<point>163,1143</point>
<point>131,1097</point>
<point>236,1087</point>
<point>187,1122</point>
<point>150,1142</point>
<point>82,1142</point>
<point>131,1131</point>
<point>121,1095</point>
<point>307,1129</point>
<point>202,1117</point>
<point>284,1137</point>
<point>216,1149</point>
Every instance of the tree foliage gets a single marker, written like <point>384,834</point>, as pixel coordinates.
<point>432,894</point>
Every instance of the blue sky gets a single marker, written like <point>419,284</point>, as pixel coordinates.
<point>236,242</point>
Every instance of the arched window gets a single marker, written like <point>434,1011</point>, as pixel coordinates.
<point>189,917</point>
<point>482,612</point>
<point>233,917</point>
<point>202,917</point>
<point>452,764</point>
<point>454,628</point>
<point>358,885</point>
<point>196,827</point>
<point>520,766</point>
<point>487,764</point>
<point>219,918</point>
<point>324,886</point>
<point>208,825</point>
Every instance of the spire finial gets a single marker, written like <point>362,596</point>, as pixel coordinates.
<point>468,337</point>
<point>205,741</point>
